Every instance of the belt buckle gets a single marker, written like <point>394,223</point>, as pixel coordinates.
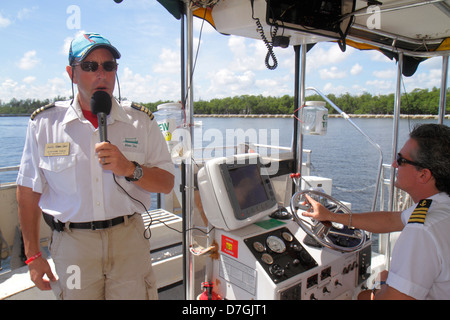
<point>102,225</point>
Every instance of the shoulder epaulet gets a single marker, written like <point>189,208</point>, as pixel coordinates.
<point>39,110</point>
<point>143,109</point>
<point>420,212</point>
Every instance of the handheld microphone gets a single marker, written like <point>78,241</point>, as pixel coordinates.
<point>101,106</point>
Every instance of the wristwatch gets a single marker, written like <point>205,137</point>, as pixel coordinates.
<point>137,174</point>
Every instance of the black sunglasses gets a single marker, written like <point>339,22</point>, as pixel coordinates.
<point>401,161</point>
<point>92,66</point>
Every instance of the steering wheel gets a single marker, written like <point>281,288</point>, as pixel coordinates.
<point>331,235</point>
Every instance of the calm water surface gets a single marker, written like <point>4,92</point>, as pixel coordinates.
<point>343,154</point>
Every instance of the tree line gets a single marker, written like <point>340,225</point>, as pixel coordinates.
<point>419,101</point>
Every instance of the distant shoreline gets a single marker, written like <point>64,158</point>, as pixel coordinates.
<point>353,116</point>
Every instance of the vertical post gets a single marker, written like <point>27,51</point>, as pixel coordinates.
<point>301,98</point>
<point>296,135</point>
<point>183,165</point>
<point>395,127</point>
<point>443,92</point>
<point>394,147</point>
<point>189,185</point>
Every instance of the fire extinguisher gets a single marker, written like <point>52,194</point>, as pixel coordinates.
<point>208,293</point>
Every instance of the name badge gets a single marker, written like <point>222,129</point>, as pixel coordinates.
<point>57,149</point>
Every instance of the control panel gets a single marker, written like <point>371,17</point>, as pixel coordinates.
<point>271,260</point>
<point>280,254</point>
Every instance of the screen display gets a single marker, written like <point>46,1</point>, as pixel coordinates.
<point>248,186</point>
<point>236,191</point>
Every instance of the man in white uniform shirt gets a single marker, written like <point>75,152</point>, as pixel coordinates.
<point>85,188</point>
<point>420,265</point>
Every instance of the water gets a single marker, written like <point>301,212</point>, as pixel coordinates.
<point>343,154</point>
<point>12,139</point>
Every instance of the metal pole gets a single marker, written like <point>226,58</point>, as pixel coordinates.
<point>394,148</point>
<point>301,103</point>
<point>443,93</point>
<point>296,135</point>
<point>188,188</point>
<point>395,128</point>
<point>183,165</point>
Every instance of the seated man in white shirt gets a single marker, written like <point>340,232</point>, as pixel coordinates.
<point>420,265</point>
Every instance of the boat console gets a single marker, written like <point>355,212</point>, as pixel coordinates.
<point>260,257</point>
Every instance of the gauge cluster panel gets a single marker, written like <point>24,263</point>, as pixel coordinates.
<point>280,254</point>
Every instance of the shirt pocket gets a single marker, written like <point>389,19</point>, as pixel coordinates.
<point>60,173</point>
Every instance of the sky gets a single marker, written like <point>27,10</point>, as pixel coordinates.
<point>35,38</point>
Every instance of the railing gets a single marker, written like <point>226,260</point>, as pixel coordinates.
<point>7,184</point>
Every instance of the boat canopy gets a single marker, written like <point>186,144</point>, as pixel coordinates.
<point>417,29</point>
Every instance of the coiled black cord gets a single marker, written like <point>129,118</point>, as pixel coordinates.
<point>270,54</point>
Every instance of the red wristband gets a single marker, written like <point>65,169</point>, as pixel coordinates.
<point>37,255</point>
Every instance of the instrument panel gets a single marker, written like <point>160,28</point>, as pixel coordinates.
<point>280,254</point>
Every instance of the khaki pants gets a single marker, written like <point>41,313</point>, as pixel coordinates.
<point>112,263</point>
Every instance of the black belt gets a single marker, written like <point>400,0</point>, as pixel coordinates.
<point>92,225</point>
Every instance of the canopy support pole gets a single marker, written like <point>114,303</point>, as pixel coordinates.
<point>443,93</point>
<point>188,183</point>
<point>394,149</point>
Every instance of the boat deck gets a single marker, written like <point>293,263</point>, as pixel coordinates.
<point>166,251</point>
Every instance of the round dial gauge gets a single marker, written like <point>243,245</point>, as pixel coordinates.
<point>287,236</point>
<point>258,246</point>
<point>267,258</point>
<point>276,244</point>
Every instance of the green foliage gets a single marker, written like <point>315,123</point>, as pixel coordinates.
<point>419,101</point>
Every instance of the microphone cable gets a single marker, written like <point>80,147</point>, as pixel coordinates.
<point>147,229</point>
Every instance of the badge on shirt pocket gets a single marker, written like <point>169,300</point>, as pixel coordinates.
<point>57,149</point>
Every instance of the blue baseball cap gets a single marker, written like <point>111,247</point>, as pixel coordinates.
<point>82,45</point>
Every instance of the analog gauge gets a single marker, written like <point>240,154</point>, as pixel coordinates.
<point>267,258</point>
<point>258,246</point>
<point>287,236</point>
<point>276,244</point>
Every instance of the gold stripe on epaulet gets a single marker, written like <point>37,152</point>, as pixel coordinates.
<point>143,109</point>
<point>420,212</point>
<point>39,110</point>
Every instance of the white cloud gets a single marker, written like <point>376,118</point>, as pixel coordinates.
<point>169,62</point>
<point>28,61</point>
<point>356,69</point>
<point>9,83</point>
<point>385,74</point>
<point>332,73</point>
<point>4,22</point>
<point>332,88</point>
<point>326,54</point>
<point>380,86</point>
<point>426,79</point>
<point>277,86</point>
<point>228,83</point>
<point>358,89</point>
<point>29,79</point>
<point>27,90</point>
<point>25,13</point>
<point>146,88</point>
<point>246,56</point>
